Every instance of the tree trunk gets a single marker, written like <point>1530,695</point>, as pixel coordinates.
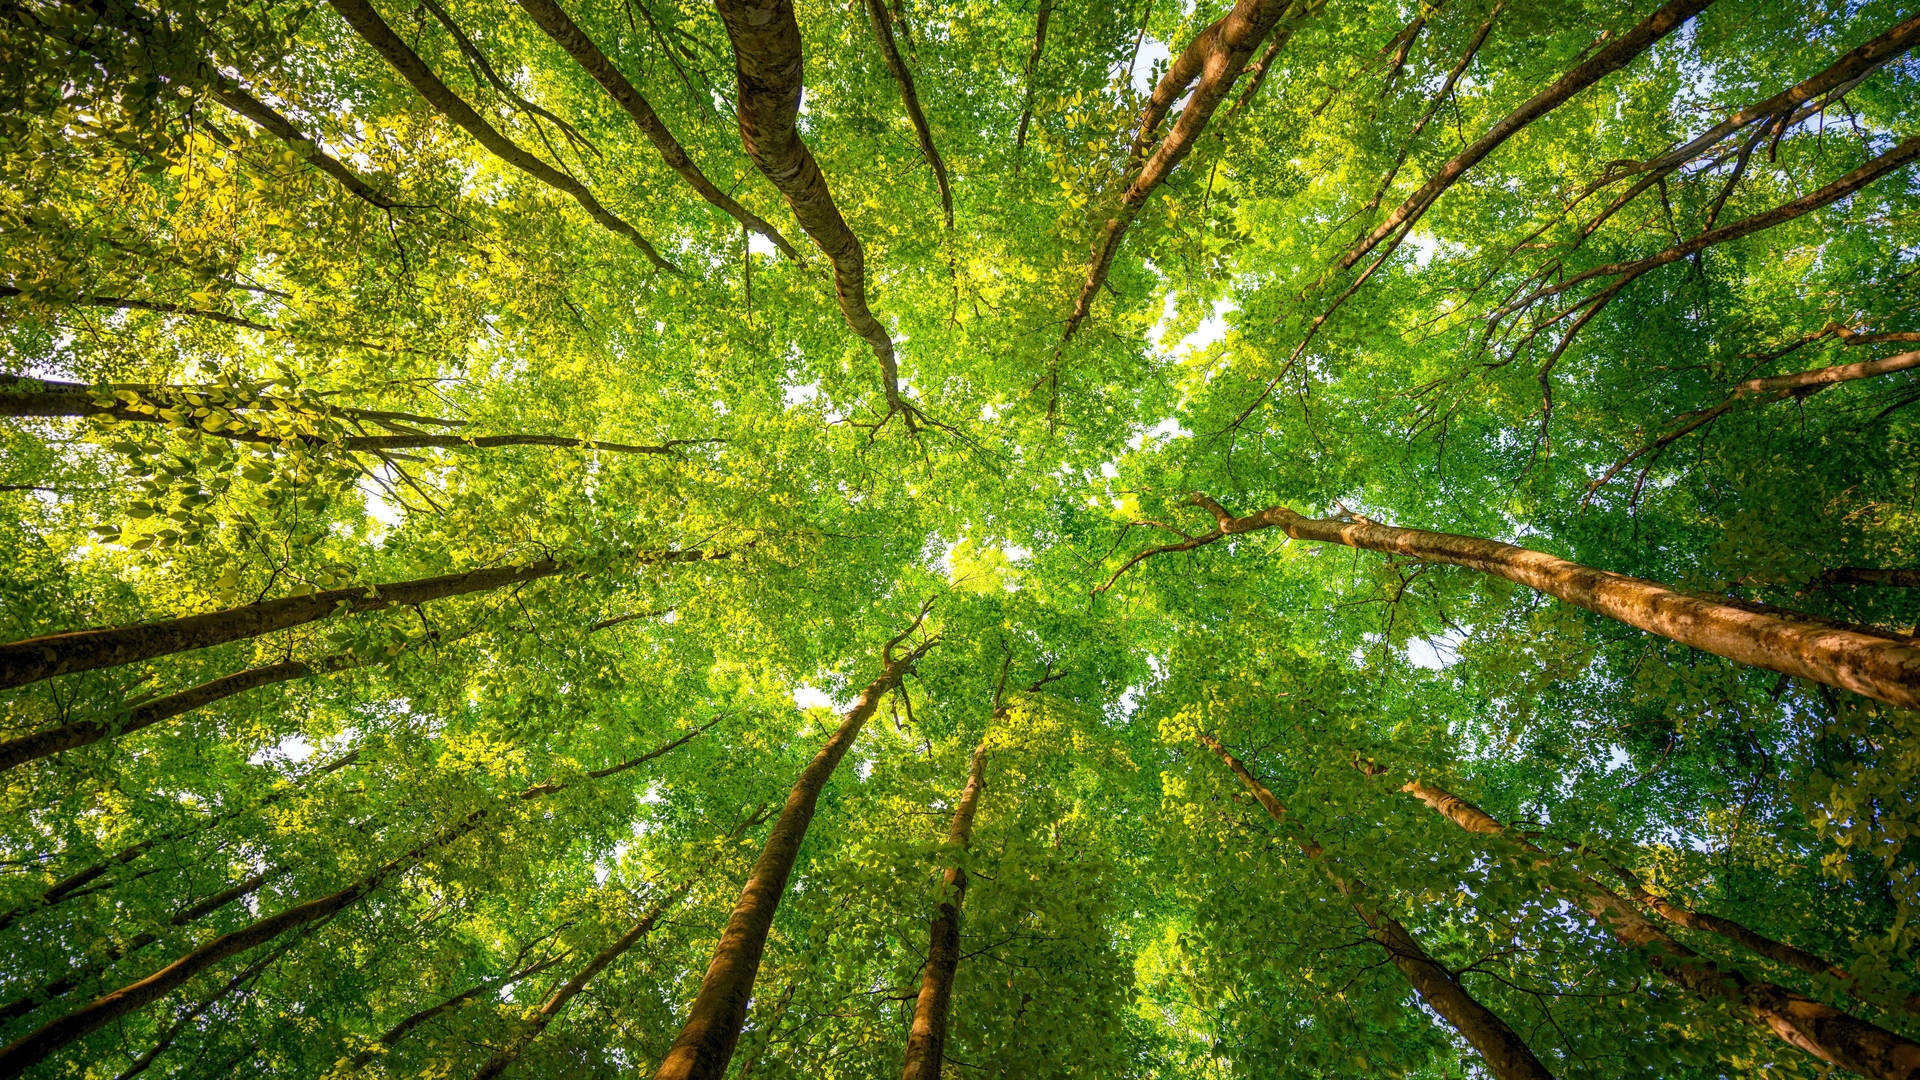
<point>228,93</point>
<point>766,51</point>
<point>1613,57</point>
<point>568,35</point>
<point>1033,72</point>
<point>1215,57</point>
<point>705,1044</point>
<point>70,886</point>
<point>34,1046</point>
<point>1506,1055</point>
<point>413,1020</point>
<point>80,733</point>
<point>1880,665</point>
<point>246,975</point>
<point>1903,577</point>
<point>909,97</point>
<point>365,21</point>
<point>1821,1030</point>
<point>1746,937</point>
<point>33,659</point>
<point>927,1040</point>
<point>65,984</point>
<point>566,991</point>
<point>38,397</point>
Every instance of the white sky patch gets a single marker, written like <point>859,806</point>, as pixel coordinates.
<point>292,749</point>
<point>1164,431</point>
<point>807,697</point>
<point>1436,653</point>
<point>1424,246</point>
<point>796,396</point>
<point>380,508</point>
<point>1152,55</point>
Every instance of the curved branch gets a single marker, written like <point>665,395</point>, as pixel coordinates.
<point>883,33</point>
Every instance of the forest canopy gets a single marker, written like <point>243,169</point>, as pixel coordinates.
<point>1173,539</point>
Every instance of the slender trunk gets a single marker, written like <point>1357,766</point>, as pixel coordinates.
<point>1033,72</point>
<point>568,990</point>
<point>1744,936</point>
<point>65,984</point>
<point>1772,388</point>
<point>1879,665</point>
<point>910,98</point>
<point>405,1027</point>
<point>365,21</point>
<point>34,659</point>
<point>1821,1030</point>
<point>705,1043</point>
<point>1506,1055</point>
<point>927,1039</point>
<point>1215,57</point>
<point>80,733</point>
<point>1902,154</point>
<point>248,974</point>
<point>767,62</point>
<point>35,1045</point>
<point>229,93</point>
<point>161,307</point>
<point>23,396</point>
<point>567,34</point>
<point>72,885</point>
<point>1904,577</point>
<point>1613,57</point>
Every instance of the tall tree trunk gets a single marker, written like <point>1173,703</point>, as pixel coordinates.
<point>1616,55</point>
<point>767,62</point>
<point>927,1039</point>
<point>909,97</point>
<point>229,93</point>
<point>365,21</point>
<point>1825,1032</point>
<point>35,1045</point>
<point>568,35</point>
<point>1506,1055</point>
<point>33,659</point>
<point>705,1043</point>
<point>248,974</point>
<point>1215,57</point>
<point>1880,665</point>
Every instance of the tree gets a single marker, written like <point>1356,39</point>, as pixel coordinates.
<point>460,461</point>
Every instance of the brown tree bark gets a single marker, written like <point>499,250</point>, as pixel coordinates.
<point>1904,577</point>
<point>21,396</point>
<point>567,34</point>
<point>33,659</point>
<point>706,1041</point>
<point>767,65</point>
<point>1033,72</point>
<point>1746,937</point>
<point>1505,1054</point>
<point>1879,665</point>
<point>1215,57</point>
<point>1616,55</point>
<point>78,733</point>
<point>909,97</point>
<point>248,974</point>
<point>1825,1032</point>
<point>927,1038</point>
<point>35,1045</point>
<point>365,21</point>
<point>229,93</point>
